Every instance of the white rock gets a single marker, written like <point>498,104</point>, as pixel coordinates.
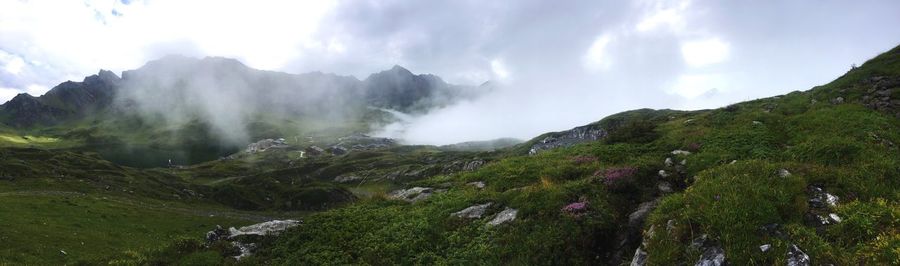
<point>784,173</point>
<point>832,200</point>
<point>507,215</point>
<point>765,247</point>
<point>662,173</point>
<point>473,212</point>
<point>476,184</point>
<point>681,152</point>
<point>669,162</point>
<point>834,217</point>
<point>273,227</point>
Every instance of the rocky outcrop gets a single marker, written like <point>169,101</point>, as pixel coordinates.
<point>412,195</point>
<point>568,138</point>
<point>796,257</point>
<point>263,145</point>
<point>473,212</point>
<point>246,239</point>
<point>69,99</point>
<point>507,215</point>
<point>881,94</point>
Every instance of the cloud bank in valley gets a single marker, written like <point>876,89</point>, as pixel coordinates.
<point>558,65</point>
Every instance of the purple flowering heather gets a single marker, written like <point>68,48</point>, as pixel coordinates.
<point>575,207</point>
<point>616,174</point>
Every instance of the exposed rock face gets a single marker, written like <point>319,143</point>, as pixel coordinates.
<point>640,257</point>
<point>273,227</point>
<point>569,138</point>
<point>245,239</point>
<point>414,194</point>
<point>796,257</point>
<point>712,256</point>
<point>880,95</point>
<point>505,216</point>
<point>636,218</point>
<point>67,100</point>
<point>473,212</point>
<point>263,145</point>
<point>347,178</point>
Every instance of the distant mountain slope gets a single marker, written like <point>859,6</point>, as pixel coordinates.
<point>177,87</point>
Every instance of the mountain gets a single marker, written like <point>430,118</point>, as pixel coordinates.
<point>806,178</point>
<point>173,85</point>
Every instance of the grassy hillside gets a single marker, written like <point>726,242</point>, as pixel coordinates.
<point>753,174</point>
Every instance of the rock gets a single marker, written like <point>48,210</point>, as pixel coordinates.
<point>244,250</point>
<point>680,152</point>
<point>505,216</point>
<point>838,100</point>
<point>834,217</point>
<point>337,150</point>
<point>216,234</point>
<point>414,194</point>
<point>683,162</point>
<point>796,257</point>
<point>568,138</point>
<point>476,184</point>
<point>832,200</point>
<point>757,123</point>
<point>636,218</point>
<point>273,227</point>
<point>347,178</point>
<point>712,256</point>
<point>669,162</point>
<point>663,174</point>
<point>264,145</point>
<point>765,248</point>
<point>784,173</point>
<point>664,187</point>
<point>314,151</point>
<point>472,165</point>
<point>699,242</point>
<point>733,162</point>
<point>640,257</point>
<point>772,229</point>
<point>473,212</point>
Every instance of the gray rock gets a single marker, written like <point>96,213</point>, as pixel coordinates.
<point>663,174</point>
<point>273,227</point>
<point>505,216</point>
<point>669,162</point>
<point>838,100</point>
<point>568,138</point>
<point>765,248</point>
<point>347,178</point>
<point>664,187</point>
<point>476,184</point>
<point>712,256</point>
<point>414,194</point>
<point>637,217</point>
<point>834,217</point>
<point>640,257</point>
<point>670,225</point>
<point>757,123</point>
<point>473,212</point>
<point>680,152</point>
<point>796,257</point>
<point>473,165</point>
<point>784,173</point>
<point>264,145</point>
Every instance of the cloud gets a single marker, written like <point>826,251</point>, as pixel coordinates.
<point>562,64</point>
<point>698,53</point>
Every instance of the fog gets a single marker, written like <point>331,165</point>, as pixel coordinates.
<point>553,65</point>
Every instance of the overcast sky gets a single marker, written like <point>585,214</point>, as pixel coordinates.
<point>562,63</point>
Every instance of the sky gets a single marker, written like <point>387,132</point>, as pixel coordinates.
<point>560,64</point>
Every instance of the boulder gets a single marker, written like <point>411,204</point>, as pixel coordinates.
<point>712,256</point>
<point>273,227</point>
<point>414,194</point>
<point>507,215</point>
<point>640,257</point>
<point>473,212</point>
<point>796,257</point>
<point>636,218</point>
<point>476,184</point>
<point>681,152</point>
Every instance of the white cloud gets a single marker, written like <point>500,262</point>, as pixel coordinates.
<point>597,56</point>
<point>7,94</point>
<point>691,86</point>
<point>36,90</point>
<point>705,52</point>
<point>663,16</point>
<point>499,69</point>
